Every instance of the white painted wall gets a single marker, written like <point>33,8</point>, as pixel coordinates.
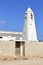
<point>7,38</point>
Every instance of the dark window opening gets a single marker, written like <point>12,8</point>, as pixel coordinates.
<point>25,13</point>
<point>0,37</point>
<point>25,17</point>
<point>17,44</point>
<point>31,16</point>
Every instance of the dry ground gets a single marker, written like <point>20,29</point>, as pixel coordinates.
<point>34,61</point>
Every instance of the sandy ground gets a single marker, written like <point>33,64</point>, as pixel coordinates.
<point>23,62</point>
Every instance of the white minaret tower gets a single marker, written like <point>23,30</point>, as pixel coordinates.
<point>29,32</point>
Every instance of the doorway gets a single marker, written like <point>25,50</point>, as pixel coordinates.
<point>17,48</point>
<point>20,48</point>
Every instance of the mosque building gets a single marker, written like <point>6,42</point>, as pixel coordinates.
<point>21,43</point>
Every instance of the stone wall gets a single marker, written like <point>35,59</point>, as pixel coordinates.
<point>7,49</point>
<point>34,49</point>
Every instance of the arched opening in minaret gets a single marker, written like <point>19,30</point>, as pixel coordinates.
<point>31,16</point>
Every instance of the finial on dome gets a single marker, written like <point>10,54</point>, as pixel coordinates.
<point>29,6</point>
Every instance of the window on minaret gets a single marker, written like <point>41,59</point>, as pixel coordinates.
<point>25,15</point>
<point>31,16</point>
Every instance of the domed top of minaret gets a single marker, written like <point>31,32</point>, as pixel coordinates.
<point>29,9</point>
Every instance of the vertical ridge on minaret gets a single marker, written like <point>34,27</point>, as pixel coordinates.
<point>29,31</point>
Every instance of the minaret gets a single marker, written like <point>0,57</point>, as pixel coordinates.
<point>29,31</point>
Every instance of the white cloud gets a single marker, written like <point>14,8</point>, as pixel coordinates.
<point>2,22</point>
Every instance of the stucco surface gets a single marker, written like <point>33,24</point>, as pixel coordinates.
<point>34,49</point>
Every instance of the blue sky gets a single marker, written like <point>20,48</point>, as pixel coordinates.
<point>12,15</point>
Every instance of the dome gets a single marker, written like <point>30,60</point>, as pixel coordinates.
<point>29,9</point>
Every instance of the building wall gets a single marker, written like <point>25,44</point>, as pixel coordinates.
<point>34,49</point>
<point>7,48</point>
